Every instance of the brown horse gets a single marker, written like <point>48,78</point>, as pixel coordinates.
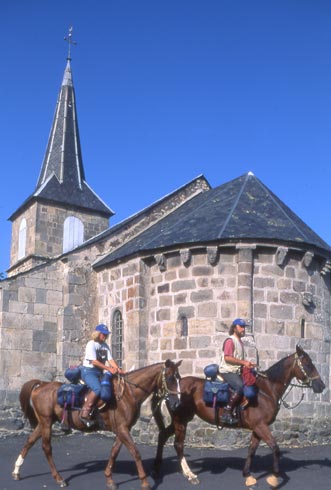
<point>39,404</point>
<point>272,385</point>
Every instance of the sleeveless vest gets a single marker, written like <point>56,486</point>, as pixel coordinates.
<point>239,353</point>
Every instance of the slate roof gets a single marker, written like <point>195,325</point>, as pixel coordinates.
<point>243,209</point>
<point>62,177</point>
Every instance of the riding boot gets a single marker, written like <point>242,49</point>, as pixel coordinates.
<point>228,416</point>
<point>86,411</point>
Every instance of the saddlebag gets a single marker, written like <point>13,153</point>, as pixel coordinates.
<point>71,396</point>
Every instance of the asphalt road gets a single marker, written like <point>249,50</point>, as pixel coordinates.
<point>81,460</point>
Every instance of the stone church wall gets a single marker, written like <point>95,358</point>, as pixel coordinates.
<point>287,303</point>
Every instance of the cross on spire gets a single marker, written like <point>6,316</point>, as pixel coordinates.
<point>70,42</point>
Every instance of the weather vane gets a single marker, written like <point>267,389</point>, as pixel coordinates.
<point>70,42</point>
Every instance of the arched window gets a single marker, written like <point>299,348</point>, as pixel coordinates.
<point>22,239</point>
<point>117,337</point>
<point>73,233</point>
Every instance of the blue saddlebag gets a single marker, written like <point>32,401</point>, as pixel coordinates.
<point>71,396</point>
<point>73,374</point>
<point>215,393</point>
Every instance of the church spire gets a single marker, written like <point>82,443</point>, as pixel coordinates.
<point>63,157</point>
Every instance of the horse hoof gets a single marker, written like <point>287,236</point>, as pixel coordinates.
<point>111,485</point>
<point>250,482</point>
<point>273,481</point>
<point>62,484</point>
<point>194,481</point>
<point>16,476</point>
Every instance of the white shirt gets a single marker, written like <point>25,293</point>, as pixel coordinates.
<point>96,351</point>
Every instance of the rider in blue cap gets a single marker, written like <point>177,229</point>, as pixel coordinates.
<point>232,362</point>
<point>97,360</point>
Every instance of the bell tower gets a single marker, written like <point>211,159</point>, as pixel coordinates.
<point>63,211</point>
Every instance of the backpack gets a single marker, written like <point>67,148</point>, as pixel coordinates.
<point>71,396</point>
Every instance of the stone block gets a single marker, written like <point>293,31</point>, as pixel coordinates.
<point>207,354</point>
<point>207,310</point>
<point>260,310</point>
<point>199,342</point>
<point>180,298</point>
<point>54,298</point>
<point>202,271</point>
<point>228,311</point>
<point>163,288</point>
<point>180,343</point>
<point>163,314</point>
<point>26,295</point>
<point>289,298</point>
<point>182,285</point>
<point>281,312</point>
<point>202,295</point>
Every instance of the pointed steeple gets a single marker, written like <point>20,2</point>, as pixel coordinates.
<point>62,177</point>
<point>63,157</point>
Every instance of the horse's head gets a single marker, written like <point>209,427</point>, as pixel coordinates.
<point>306,372</point>
<point>170,390</point>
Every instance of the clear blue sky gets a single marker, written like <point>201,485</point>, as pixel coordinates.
<point>168,90</point>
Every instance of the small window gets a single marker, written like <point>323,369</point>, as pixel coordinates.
<point>117,337</point>
<point>73,233</point>
<point>183,326</point>
<point>302,328</point>
<point>22,239</point>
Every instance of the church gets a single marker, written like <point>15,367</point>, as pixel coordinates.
<point>168,281</point>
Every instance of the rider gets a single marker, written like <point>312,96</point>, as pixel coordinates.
<point>97,359</point>
<point>232,361</point>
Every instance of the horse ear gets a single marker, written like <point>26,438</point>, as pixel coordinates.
<point>178,363</point>
<point>299,350</point>
<point>168,363</point>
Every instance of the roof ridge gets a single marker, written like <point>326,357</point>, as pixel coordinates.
<point>234,206</point>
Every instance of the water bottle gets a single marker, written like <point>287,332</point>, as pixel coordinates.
<point>106,386</point>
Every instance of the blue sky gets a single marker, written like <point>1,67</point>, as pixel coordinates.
<point>168,90</point>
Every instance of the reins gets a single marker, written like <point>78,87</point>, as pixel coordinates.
<point>307,383</point>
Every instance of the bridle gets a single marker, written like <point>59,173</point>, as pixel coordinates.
<point>306,383</point>
<point>163,392</point>
<point>308,380</point>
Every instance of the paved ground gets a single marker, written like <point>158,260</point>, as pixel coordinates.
<point>81,460</point>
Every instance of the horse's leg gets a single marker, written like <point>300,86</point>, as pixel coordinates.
<point>180,433</point>
<point>110,465</point>
<point>33,437</point>
<point>164,434</point>
<point>264,433</point>
<point>254,443</point>
<point>46,434</point>
<point>125,437</point>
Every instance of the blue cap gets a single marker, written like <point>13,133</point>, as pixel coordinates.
<point>102,329</point>
<point>240,322</point>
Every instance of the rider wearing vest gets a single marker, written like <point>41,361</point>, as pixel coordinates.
<point>232,361</point>
<point>97,360</point>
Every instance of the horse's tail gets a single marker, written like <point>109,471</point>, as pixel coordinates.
<point>25,396</point>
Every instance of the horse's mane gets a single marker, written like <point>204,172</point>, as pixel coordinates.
<point>276,371</point>
<point>138,370</point>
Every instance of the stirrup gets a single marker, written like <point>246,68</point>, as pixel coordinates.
<point>88,422</point>
<point>228,419</point>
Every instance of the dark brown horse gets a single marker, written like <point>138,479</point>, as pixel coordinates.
<point>39,404</point>
<point>272,385</point>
